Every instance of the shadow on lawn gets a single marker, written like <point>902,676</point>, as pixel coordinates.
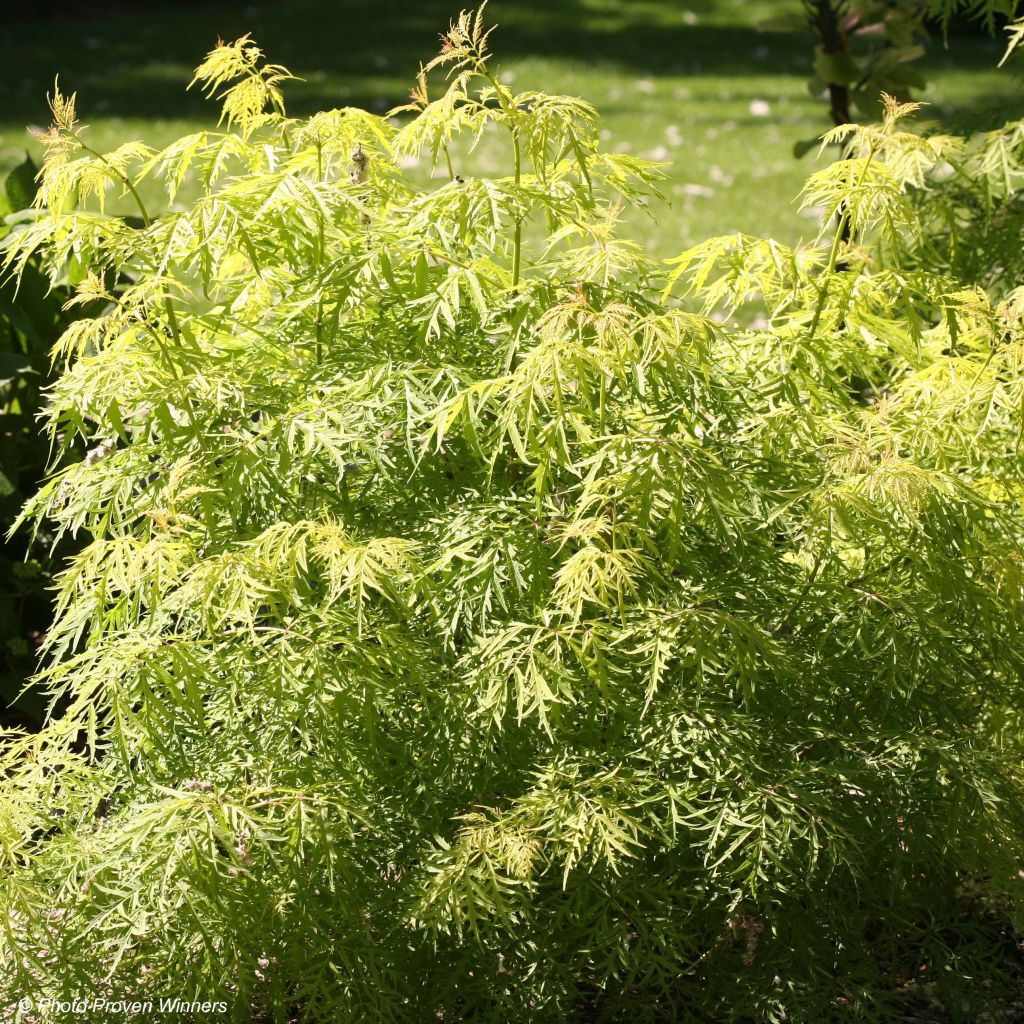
<point>137,58</point>
<point>134,59</point>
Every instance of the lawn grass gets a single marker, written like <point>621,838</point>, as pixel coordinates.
<point>690,82</point>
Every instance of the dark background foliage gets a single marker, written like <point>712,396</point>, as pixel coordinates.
<point>366,48</point>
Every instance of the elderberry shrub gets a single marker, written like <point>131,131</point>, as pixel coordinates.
<point>477,622</point>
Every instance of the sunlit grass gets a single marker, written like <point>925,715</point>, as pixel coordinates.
<point>693,84</point>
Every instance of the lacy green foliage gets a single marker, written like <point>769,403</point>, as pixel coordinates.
<point>464,632</point>
<point>988,12</point>
<point>1015,33</point>
<point>969,197</point>
<point>32,318</point>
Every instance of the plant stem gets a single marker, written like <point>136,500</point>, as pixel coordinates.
<point>517,237</point>
<point>834,41</point>
<point>512,114</point>
<point>319,353</point>
<point>829,271</point>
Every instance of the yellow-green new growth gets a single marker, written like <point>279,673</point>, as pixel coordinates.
<point>256,85</point>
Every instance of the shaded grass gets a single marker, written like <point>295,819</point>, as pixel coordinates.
<point>690,82</point>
